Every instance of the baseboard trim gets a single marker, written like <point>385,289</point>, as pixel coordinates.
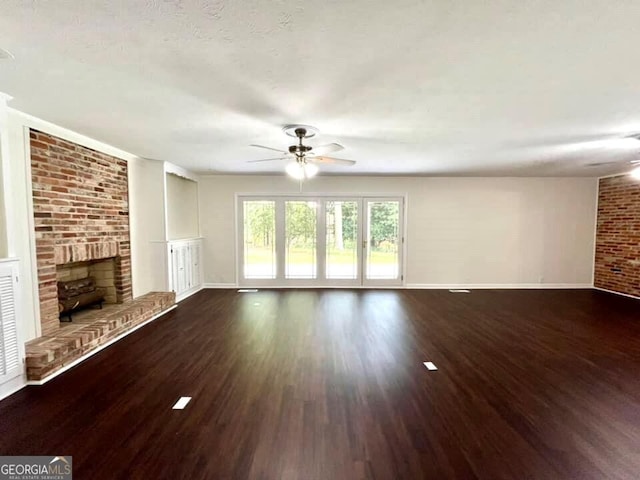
<point>497,286</point>
<point>188,293</point>
<point>617,293</point>
<point>12,386</point>
<point>325,287</point>
<point>221,285</point>
<point>417,286</point>
<point>100,348</point>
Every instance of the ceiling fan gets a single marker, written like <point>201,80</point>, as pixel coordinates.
<point>635,165</point>
<point>306,158</point>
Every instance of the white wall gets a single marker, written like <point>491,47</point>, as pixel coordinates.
<point>20,230</point>
<point>147,226</point>
<point>182,207</point>
<point>460,231</point>
<point>4,171</point>
<point>17,233</point>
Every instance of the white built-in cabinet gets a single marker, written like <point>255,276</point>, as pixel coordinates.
<point>184,273</point>
<point>185,266</point>
<point>10,347</point>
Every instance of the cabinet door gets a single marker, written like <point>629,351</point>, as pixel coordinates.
<point>195,264</point>
<point>174,268</point>
<point>178,268</point>
<point>187,266</point>
<point>9,346</point>
<point>182,269</point>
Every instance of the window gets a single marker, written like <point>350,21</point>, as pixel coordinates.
<point>320,241</point>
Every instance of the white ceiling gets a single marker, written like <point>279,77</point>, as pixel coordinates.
<point>439,87</point>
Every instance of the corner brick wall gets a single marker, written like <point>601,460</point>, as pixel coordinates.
<point>617,262</point>
<point>81,212</point>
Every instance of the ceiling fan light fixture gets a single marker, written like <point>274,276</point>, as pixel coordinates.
<point>301,171</point>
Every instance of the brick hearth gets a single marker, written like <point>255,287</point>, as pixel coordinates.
<point>81,216</point>
<point>90,329</point>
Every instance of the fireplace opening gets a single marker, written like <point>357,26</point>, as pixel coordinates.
<point>83,285</point>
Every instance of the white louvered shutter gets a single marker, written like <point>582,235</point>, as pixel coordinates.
<point>9,346</point>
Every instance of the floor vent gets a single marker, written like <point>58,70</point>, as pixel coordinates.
<point>180,404</point>
<point>248,290</point>
<point>458,290</point>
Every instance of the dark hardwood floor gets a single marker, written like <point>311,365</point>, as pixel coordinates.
<point>329,384</point>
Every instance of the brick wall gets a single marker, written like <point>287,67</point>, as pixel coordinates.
<point>617,263</point>
<point>81,212</point>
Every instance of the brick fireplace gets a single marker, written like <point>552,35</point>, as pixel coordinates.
<point>81,216</point>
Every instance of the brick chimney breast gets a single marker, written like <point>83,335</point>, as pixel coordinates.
<point>81,213</point>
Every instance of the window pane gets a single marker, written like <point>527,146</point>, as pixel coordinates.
<point>342,239</point>
<point>259,239</point>
<point>382,240</point>
<point>300,236</point>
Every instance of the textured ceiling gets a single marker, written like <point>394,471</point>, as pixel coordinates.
<point>429,87</point>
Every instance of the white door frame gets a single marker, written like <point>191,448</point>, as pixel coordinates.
<point>343,282</point>
<point>391,282</point>
<point>320,281</point>
<point>257,282</point>
<point>281,239</point>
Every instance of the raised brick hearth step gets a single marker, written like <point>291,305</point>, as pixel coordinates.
<point>90,329</point>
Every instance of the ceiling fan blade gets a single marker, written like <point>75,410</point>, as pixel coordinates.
<point>267,160</point>
<point>268,148</point>
<point>328,148</point>
<point>332,161</point>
